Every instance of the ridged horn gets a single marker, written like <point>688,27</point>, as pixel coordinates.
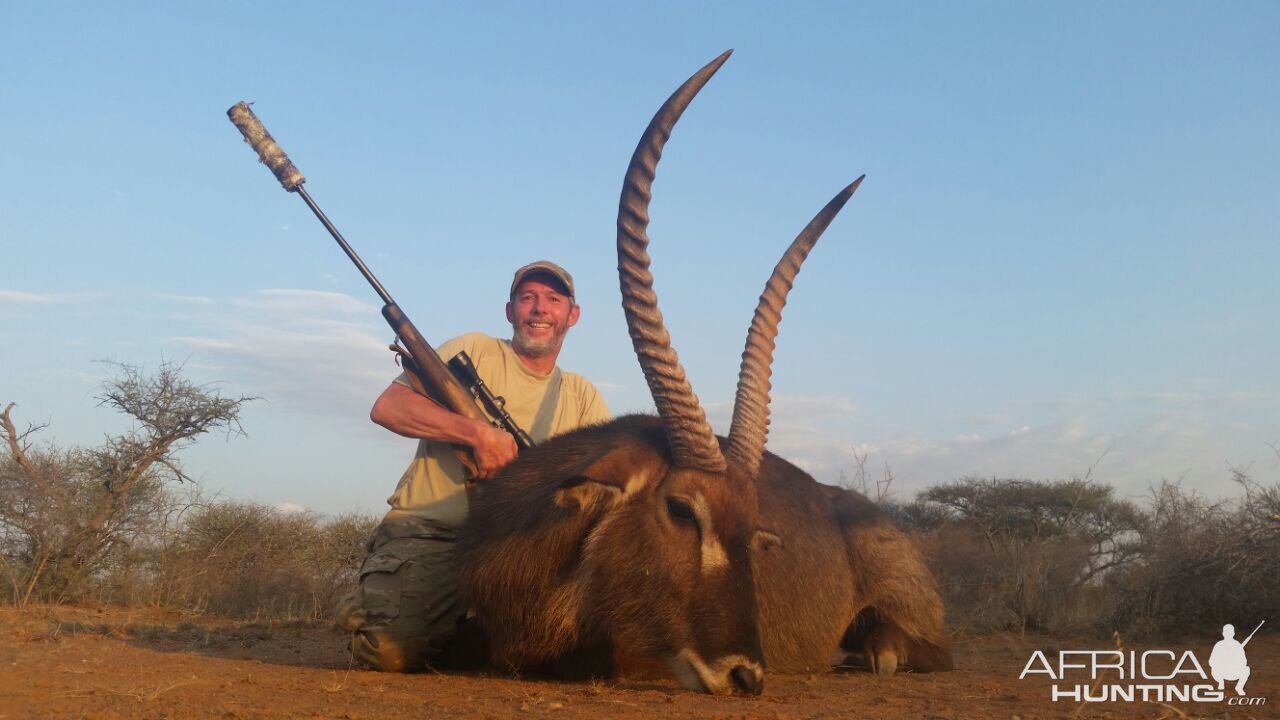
<point>750,427</point>
<point>693,444</point>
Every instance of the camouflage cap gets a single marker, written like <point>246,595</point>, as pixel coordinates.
<point>543,267</point>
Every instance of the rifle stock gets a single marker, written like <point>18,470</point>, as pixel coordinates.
<point>423,364</point>
<point>429,377</point>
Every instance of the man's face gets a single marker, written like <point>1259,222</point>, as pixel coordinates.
<point>540,315</point>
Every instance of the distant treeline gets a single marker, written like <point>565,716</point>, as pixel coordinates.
<point>1067,556</point>
<point>120,523</point>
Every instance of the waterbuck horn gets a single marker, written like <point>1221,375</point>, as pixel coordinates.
<point>693,444</point>
<point>750,425</point>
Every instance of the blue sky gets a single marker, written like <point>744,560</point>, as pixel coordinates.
<point>1065,249</point>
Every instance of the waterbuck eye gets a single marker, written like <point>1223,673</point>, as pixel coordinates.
<point>679,509</point>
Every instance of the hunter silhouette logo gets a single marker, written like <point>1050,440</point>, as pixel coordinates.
<point>1150,675</point>
<point>1228,661</point>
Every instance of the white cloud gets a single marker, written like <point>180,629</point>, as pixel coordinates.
<point>1129,442</point>
<point>806,431</point>
<point>863,449</point>
<point>289,508</point>
<point>26,298</point>
<point>318,352</point>
<point>208,343</point>
<point>184,299</point>
<point>912,446</point>
<point>304,304</point>
<point>16,296</point>
<point>300,350</point>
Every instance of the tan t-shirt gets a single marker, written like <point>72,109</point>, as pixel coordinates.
<point>433,487</point>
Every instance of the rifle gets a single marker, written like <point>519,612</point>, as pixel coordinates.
<point>1255,632</point>
<point>495,405</point>
<point>427,373</point>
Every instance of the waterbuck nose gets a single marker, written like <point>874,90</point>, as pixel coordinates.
<point>747,680</point>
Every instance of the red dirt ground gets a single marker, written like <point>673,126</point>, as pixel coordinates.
<point>78,662</point>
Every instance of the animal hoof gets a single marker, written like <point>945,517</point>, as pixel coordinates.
<point>747,680</point>
<point>884,663</point>
<point>885,647</point>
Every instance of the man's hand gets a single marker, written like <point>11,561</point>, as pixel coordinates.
<point>405,412</point>
<point>493,448</point>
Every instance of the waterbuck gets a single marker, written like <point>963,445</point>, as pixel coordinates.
<point>650,538</point>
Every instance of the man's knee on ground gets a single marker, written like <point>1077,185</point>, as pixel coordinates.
<point>381,651</point>
<point>404,610</point>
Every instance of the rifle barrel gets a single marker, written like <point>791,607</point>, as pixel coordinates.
<point>364,270</point>
<point>1255,630</point>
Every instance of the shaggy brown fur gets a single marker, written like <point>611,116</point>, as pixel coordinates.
<point>575,548</point>
<point>640,539</point>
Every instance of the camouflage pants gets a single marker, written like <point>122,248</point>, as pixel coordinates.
<point>405,610</point>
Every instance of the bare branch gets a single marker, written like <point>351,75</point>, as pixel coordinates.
<point>16,448</point>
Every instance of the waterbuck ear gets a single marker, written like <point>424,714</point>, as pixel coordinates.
<point>766,540</point>
<point>611,477</point>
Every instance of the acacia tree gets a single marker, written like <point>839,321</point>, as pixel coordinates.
<point>1051,539</point>
<point>62,512</point>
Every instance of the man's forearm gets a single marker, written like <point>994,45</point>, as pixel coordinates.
<point>405,412</point>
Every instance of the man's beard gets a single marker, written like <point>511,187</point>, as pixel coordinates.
<point>536,348</point>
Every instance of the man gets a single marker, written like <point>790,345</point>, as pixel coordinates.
<point>1228,661</point>
<point>405,611</point>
